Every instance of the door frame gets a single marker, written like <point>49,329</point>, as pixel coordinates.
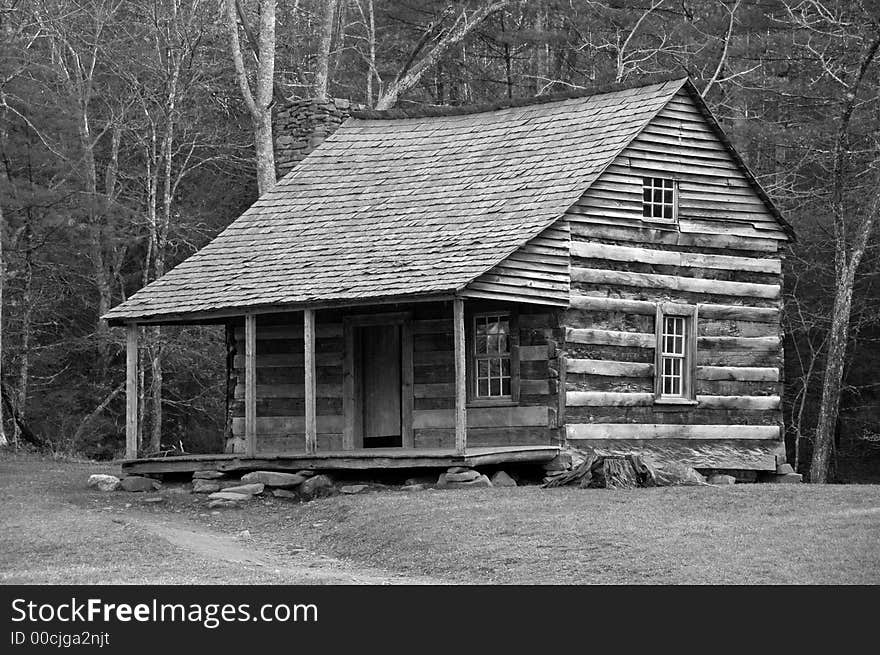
<point>352,393</point>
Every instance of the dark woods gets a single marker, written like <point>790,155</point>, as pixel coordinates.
<point>133,132</point>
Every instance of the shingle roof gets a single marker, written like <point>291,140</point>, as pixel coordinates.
<point>409,206</point>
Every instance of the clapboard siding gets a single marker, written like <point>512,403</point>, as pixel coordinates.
<point>722,255</point>
<point>538,272</point>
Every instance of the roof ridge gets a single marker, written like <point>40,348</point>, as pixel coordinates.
<point>437,111</point>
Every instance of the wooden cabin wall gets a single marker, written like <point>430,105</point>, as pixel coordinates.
<point>724,257</point>
<point>280,382</point>
<point>531,422</point>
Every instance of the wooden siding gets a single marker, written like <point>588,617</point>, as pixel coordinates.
<point>715,197</point>
<point>723,256</point>
<point>536,273</point>
<point>531,421</point>
<point>280,382</point>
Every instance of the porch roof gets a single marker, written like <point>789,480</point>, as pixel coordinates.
<point>393,206</point>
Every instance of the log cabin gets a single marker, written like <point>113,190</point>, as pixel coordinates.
<point>482,285</point>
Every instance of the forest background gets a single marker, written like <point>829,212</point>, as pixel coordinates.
<point>133,131</point>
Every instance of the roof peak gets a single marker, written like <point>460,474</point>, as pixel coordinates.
<point>435,111</point>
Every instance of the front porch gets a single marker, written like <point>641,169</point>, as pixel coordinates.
<point>353,460</point>
<point>371,387</point>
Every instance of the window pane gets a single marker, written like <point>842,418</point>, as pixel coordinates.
<point>494,368</point>
<point>482,368</point>
<point>505,386</point>
<point>505,367</point>
<point>483,387</point>
<point>658,196</point>
<point>667,197</point>
<point>495,388</point>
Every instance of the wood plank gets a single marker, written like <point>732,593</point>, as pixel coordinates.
<point>609,367</point>
<point>740,313</point>
<point>595,229</point>
<point>739,402</point>
<point>131,391</point>
<point>607,399</point>
<point>575,431</point>
<point>675,283</point>
<point>265,391</point>
<point>459,419</point>
<point>534,387</point>
<point>322,331</point>
<point>331,424</point>
<point>250,385</point>
<point>603,304</point>
<point>311,390</point>
<point>738,343</point>
<point>559,301</point>
<point>594,250</point>
<point>532,353</point>
<point>483,417</point>
<point>610,337</point>
<point>738,373</point>
<point>280,360</point>
<point>434,390</point>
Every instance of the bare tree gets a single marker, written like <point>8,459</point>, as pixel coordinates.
<point>3,440</point>
<point>851,228</point>
<point>259,102</point>
<point>323,67</point>
<point>445,38</point>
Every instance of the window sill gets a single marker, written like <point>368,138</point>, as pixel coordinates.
<point>676,402</point>
<point>492,402</point>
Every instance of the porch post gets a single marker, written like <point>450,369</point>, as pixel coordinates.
<point>310,385</point>
<point>460,378</point>
<point>131,391</point>
<point>250,385</point>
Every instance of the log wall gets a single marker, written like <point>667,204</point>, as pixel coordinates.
<point>723,256</point>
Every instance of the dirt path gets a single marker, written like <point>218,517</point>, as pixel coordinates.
<point>241,549</point>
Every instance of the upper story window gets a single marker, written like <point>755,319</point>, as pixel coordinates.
<point>492,356</point>
<point>659,198</point>
<point>676,353</point>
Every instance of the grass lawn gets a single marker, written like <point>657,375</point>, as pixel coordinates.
<point>57,530</point>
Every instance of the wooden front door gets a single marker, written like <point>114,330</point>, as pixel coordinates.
<point>380,349</point>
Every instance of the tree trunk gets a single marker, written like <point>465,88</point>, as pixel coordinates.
<point>847,258</point>
<point>259,103</point>
<point>323,66</point>
<point>26,321</point>
<point>823,447</point>
<point>3,440</point>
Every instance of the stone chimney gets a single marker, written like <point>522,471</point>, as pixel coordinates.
<point>299,126</point>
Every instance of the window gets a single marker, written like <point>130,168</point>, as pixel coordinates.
<point>658,198</point>
<point>676,353</point>
<point>672,356</point>
<point>493,370</point>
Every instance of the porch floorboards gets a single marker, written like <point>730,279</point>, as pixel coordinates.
<point>364,459</point>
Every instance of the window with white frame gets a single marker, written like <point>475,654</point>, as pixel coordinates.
<point>658,198</point>
<point>672,356</point>
<point>492,356</point>
<point>676,352</point>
